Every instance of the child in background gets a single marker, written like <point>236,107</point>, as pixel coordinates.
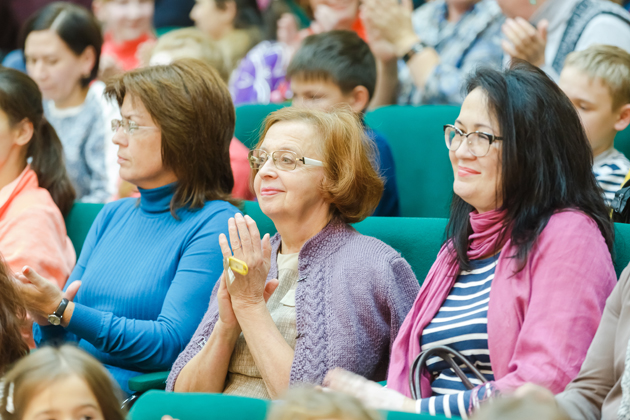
<point>313,404</point>
<point>235,24</point>
<point>192,43</point>
<point>337,67</point>
<point>128,26</point>
<point>260,78</point>
<point>597,81</point>
<point>59,383</point>
<point>62,45</point>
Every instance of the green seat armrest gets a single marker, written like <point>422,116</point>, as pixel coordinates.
<point>146,382</point>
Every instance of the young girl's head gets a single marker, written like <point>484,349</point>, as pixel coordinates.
<point>59,383</point>
<point>25,134</point>
<point>125,20</point>
<point>12,315</point>
<point>62,46</point>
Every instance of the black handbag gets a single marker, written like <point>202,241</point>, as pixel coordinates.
<point>449,356</point>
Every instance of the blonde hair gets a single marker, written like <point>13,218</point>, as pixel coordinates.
<point>526,408</point>
<point>47,366</point>
<point>311,404</point>
<point>351,185</point>
<point>192,43</point>
<point>607,63</point>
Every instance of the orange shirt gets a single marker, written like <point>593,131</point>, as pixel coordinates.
<point>32,230</point>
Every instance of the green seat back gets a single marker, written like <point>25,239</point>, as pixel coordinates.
<point>418,239</point>
<point>79,221</point>
<point>622,142</point>
<point>193,406</point>
<point>622,247</point>
<point>423,170</point>
<point>398,415</point>
<point>249,120</point>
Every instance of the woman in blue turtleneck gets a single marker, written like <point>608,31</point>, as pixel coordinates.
<point>148,266</point>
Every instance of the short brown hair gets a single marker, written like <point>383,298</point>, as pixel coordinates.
<point>607,63</point>
<point>351,185</point>
<point>311,404</point>
<point>204,48</point>
<point>48,365</point>
<point>12,318</point>
<point>192,106</point>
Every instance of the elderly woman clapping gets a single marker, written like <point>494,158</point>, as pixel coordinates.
<point>333,296</point>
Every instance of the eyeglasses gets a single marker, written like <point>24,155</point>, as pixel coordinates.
<point>128,126</point>
<point>285,160</point>
<point>478,141</point>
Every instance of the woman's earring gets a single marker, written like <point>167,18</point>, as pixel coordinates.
<point>532,2</point>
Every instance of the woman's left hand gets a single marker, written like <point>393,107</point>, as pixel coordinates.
<point>524,41</point>
<point>41,296</point>
<point>248,290</point>
<point>393,22</point>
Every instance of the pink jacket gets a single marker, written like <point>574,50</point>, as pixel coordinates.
<point>541,320</point>
<point>32,230</point>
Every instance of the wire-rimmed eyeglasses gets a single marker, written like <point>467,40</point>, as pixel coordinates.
<point>478,141</point>
<point>128,126</point>
<point>285,160</point>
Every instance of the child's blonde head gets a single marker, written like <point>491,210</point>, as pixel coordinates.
<point>312,404</point>
<point>191,43</point>
<point>47,366</point>
<point>607,63</point>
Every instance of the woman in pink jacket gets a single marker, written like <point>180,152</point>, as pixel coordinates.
<point>35,191</point>
<point>521,282</point>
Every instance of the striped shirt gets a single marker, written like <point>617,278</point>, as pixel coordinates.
<point>610,169</point>
<point>461,324</point>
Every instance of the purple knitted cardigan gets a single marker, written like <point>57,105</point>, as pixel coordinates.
<point>353,294</point>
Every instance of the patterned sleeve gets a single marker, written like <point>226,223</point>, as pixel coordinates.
<point>460,404</point>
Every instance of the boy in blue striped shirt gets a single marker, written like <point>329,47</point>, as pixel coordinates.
<point>597,81</point>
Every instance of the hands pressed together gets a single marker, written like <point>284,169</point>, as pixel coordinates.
<point>389,27</point>
<point>248,291</point>
<point>524,41</point>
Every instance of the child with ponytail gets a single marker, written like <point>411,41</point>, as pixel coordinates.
<point>35,190</point>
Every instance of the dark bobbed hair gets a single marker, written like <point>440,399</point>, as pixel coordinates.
<point>191,105</point>
<point>341,57</point>
<point>74,24</point>
<point>247,13</point>
<point>21,100</point>
<point>12,317</point>
<point>546,160</point>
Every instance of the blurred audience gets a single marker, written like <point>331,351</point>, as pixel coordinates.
<point>62,45</point>
<point>12,321</point>
<point>425,55</point>
<point>172,14</point>
<point>544,32</point>
<point>127,28</point>
<point>318,294</point>
<point>59,383</point>
<point>334,68</point>
<point>148,266</point>
<point>597,81</point>
<point>192,43</point>
<point>312,404</point>
<point>260,77</point>
<point>514,247</point>
<point>235,24</point>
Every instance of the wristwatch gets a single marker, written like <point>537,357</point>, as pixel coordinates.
<point>56,317</point>
<point>416,48</point>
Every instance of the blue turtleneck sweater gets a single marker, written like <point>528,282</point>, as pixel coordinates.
<point>146,282</point>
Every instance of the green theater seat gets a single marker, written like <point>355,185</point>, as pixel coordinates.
<point>423,170</point>
<point>79,221</point>
<point>622,142</point>
<point>249,119</point>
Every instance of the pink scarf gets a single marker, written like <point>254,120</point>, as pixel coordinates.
<point>487,228</point>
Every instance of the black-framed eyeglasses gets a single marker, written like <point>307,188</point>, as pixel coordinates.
<point>128,126</point>
<point>285,160</point>
<point>478,141</point>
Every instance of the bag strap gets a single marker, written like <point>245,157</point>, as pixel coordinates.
<point>448,355</point>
